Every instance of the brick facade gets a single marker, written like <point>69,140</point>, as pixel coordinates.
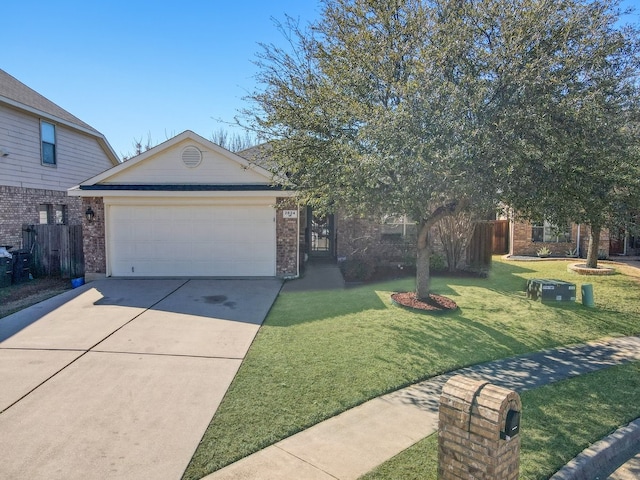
<point>19,206</point>
<point>522,243</point>
<point>287,240</point>
<point>360,236</point>
<point>93,233</point>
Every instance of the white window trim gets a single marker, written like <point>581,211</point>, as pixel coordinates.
<point>55,145</point>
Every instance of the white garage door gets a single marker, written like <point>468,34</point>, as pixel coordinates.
<point>202,240</point>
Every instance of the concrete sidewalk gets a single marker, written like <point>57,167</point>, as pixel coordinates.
<point>320,274</point>
<point>358,440</point>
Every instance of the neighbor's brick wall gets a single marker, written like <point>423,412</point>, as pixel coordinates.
<point>286,240</point>
<point>19,205</point>
<point>523,245</point>
<point>95,262</point>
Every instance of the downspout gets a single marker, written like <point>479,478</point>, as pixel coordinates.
<point>298,244</point>
<point>512,230</point>
<point>578,241</point>
<point>626,237</point>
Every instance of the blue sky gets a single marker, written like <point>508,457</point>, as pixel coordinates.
<point>134,67</point>
<point>131,68</point>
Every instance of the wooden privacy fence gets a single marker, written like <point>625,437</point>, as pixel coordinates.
<point>500,237</point>
<point>481,245</point>
<point>56,250</point>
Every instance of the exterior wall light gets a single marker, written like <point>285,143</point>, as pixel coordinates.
<point>90,214</point>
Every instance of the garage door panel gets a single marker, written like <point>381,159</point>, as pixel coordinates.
<point>191,240</point>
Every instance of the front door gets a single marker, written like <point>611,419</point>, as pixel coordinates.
<point>320,231</point>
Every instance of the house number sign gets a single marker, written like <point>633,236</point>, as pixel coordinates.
<point>289,214</point>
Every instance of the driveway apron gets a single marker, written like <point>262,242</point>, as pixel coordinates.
<point>120,378</point>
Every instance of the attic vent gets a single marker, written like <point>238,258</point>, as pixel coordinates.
<point>191,157</point>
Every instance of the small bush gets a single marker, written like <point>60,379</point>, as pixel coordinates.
<point>358,269</point>
<point>437,263</point>
<point>603,255</point>
<point>544,252</point>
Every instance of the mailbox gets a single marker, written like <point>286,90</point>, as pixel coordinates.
<point>511,425</point>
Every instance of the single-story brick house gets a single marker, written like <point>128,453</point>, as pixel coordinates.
<point>188,207</point>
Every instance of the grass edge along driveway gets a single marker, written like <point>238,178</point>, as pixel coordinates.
<point>320,353</point>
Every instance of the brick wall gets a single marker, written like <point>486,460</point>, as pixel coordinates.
<point>361,236</point>
<point>95,262</point>
<point>19,205</point>
<point>523,245</point>
<point>286,240</point>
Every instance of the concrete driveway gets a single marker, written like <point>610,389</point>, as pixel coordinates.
<point>120,378</point>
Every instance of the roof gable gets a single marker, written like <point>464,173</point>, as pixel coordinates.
<point>187,159</point>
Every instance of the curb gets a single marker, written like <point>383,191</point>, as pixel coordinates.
<point>603,457</point>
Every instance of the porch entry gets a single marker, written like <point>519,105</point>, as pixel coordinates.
<point>320,235</point>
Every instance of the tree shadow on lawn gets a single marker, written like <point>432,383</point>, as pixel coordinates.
<point>452,341</point>
<point>294,308</point>
<point>523,371</point>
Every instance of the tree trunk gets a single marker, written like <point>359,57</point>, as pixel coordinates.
<point>594,243</point>
<point>422,262</point>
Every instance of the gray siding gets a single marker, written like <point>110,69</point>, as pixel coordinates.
<point>78,156</point>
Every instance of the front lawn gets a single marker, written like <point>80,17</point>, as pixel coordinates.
<point>320,353</point>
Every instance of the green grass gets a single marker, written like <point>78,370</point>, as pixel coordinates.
<point>320,353</point>
<point>558,422</point>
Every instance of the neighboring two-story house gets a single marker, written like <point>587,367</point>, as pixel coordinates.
<point>44,150</point>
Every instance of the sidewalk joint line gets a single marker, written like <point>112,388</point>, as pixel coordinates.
<point>304,461</point>
<point>154,354</point>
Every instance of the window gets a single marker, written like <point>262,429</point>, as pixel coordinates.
<point>60,214</point>
<point>52,214</point>
<point>48,138</point>
<point>547,232</point>
<point>397,228</point>
<point>45,212</point>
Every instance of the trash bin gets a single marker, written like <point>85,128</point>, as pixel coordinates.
<point>6,271</point>
<point>587,295</point>
<point>21,266</point>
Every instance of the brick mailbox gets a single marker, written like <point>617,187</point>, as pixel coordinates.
<point>478,435</point>
<point>551,290</point>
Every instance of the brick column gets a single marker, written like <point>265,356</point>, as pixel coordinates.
<point>286,239</point>
<point>93,240</point>
<point>472,441</point>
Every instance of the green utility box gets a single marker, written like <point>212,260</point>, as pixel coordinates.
<point>551,290</point>
<point>587,295</point>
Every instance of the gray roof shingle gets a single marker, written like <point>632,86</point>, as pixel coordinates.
<point>16,91</point>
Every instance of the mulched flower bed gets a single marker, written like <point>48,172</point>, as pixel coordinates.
<point>435,304</point>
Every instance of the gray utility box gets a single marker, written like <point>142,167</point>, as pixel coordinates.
<point>551,290</point>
